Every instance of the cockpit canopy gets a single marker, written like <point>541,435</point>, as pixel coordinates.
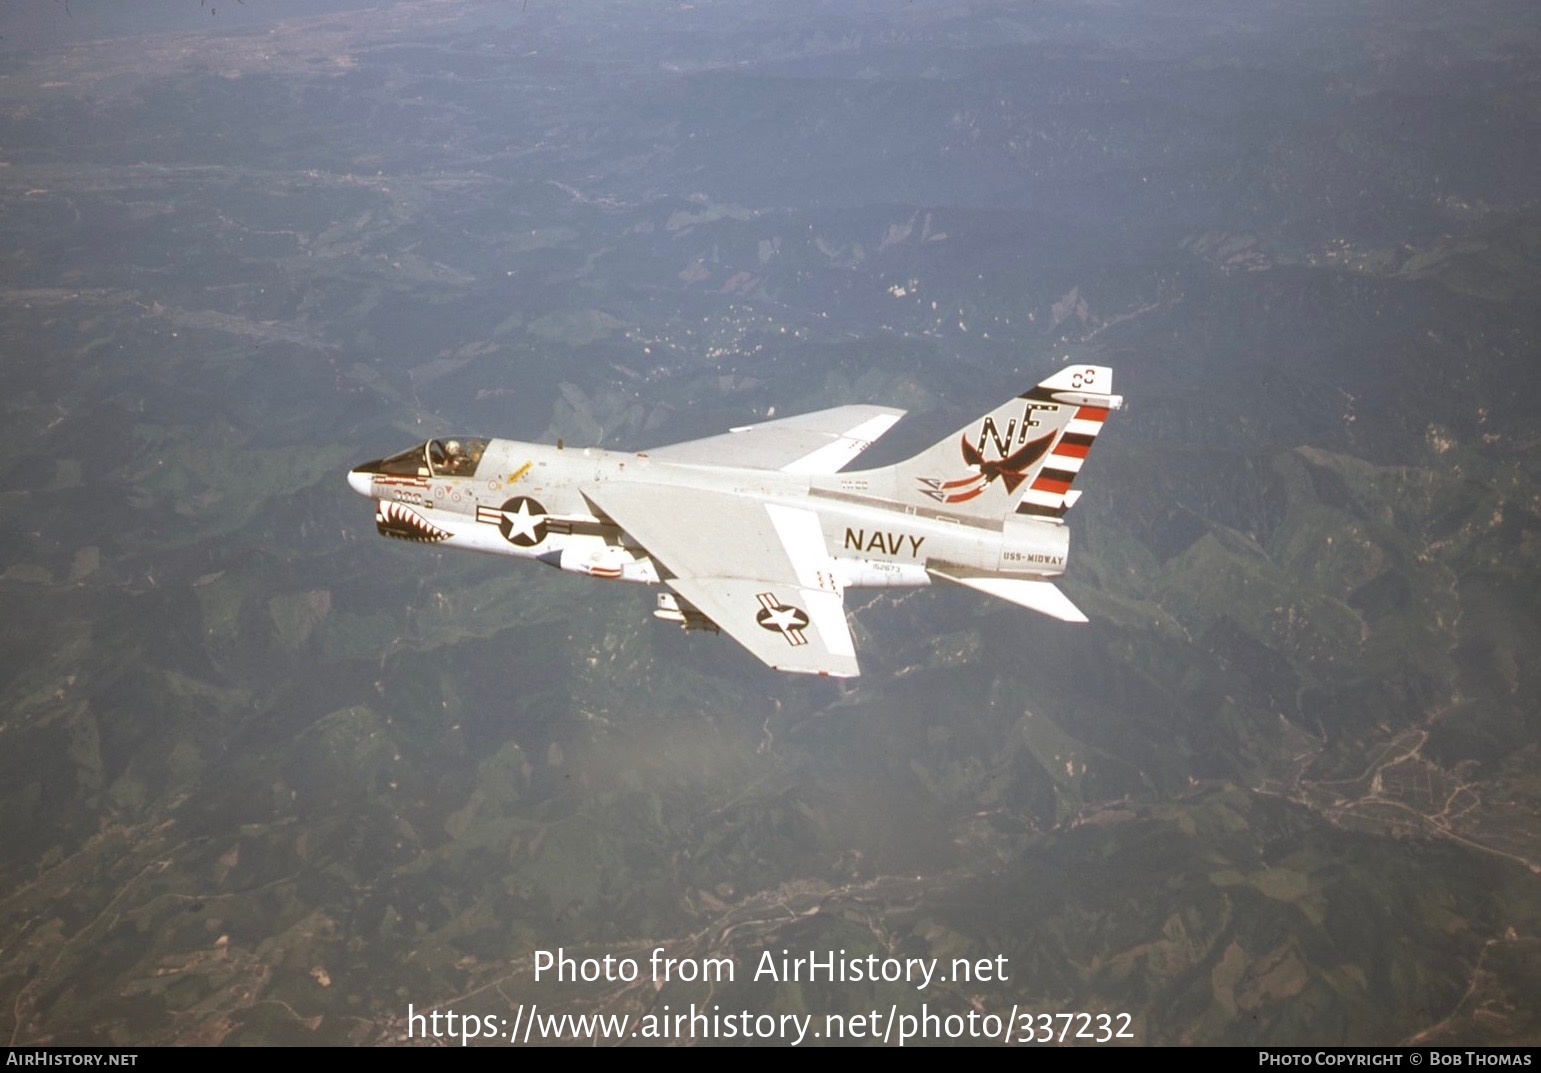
<point>456,457</point>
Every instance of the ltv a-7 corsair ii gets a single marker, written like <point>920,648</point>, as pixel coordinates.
<point>760,531</point>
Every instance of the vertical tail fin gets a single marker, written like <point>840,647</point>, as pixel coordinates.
<point>1022,457</point>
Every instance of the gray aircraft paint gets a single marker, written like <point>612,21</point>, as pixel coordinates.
<point>758,531</point>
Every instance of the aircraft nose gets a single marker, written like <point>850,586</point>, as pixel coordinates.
<point>360,481</point>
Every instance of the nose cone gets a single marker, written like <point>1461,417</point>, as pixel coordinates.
<point>360,481</point>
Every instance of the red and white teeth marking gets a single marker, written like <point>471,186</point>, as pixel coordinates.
<point>395,517</point>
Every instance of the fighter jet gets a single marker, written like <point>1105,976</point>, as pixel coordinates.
<point>760,531</point>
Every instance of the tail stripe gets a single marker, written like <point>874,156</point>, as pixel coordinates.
<point>1041,498</point>
<point>1037,511</point>
<point>1046,498</point>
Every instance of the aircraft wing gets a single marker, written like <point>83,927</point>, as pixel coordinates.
<point>820,442</point>
<point>760,571</point>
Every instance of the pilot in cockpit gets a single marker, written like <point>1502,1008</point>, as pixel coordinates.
<point>461,459</point>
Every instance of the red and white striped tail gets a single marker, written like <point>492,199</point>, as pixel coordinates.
<point>1089,389</point>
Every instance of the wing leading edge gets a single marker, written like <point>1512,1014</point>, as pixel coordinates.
<point>760,571</point>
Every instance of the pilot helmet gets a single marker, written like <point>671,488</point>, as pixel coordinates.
<point>453,447</point>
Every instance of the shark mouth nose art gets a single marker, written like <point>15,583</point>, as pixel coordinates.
<point>404,523</point>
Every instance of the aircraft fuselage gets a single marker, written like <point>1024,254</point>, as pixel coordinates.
<point>524,500</point>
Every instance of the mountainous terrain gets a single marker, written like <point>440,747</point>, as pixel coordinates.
<point>266,778</point>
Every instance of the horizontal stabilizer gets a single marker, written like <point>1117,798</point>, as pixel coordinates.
<point>1041,596</point>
